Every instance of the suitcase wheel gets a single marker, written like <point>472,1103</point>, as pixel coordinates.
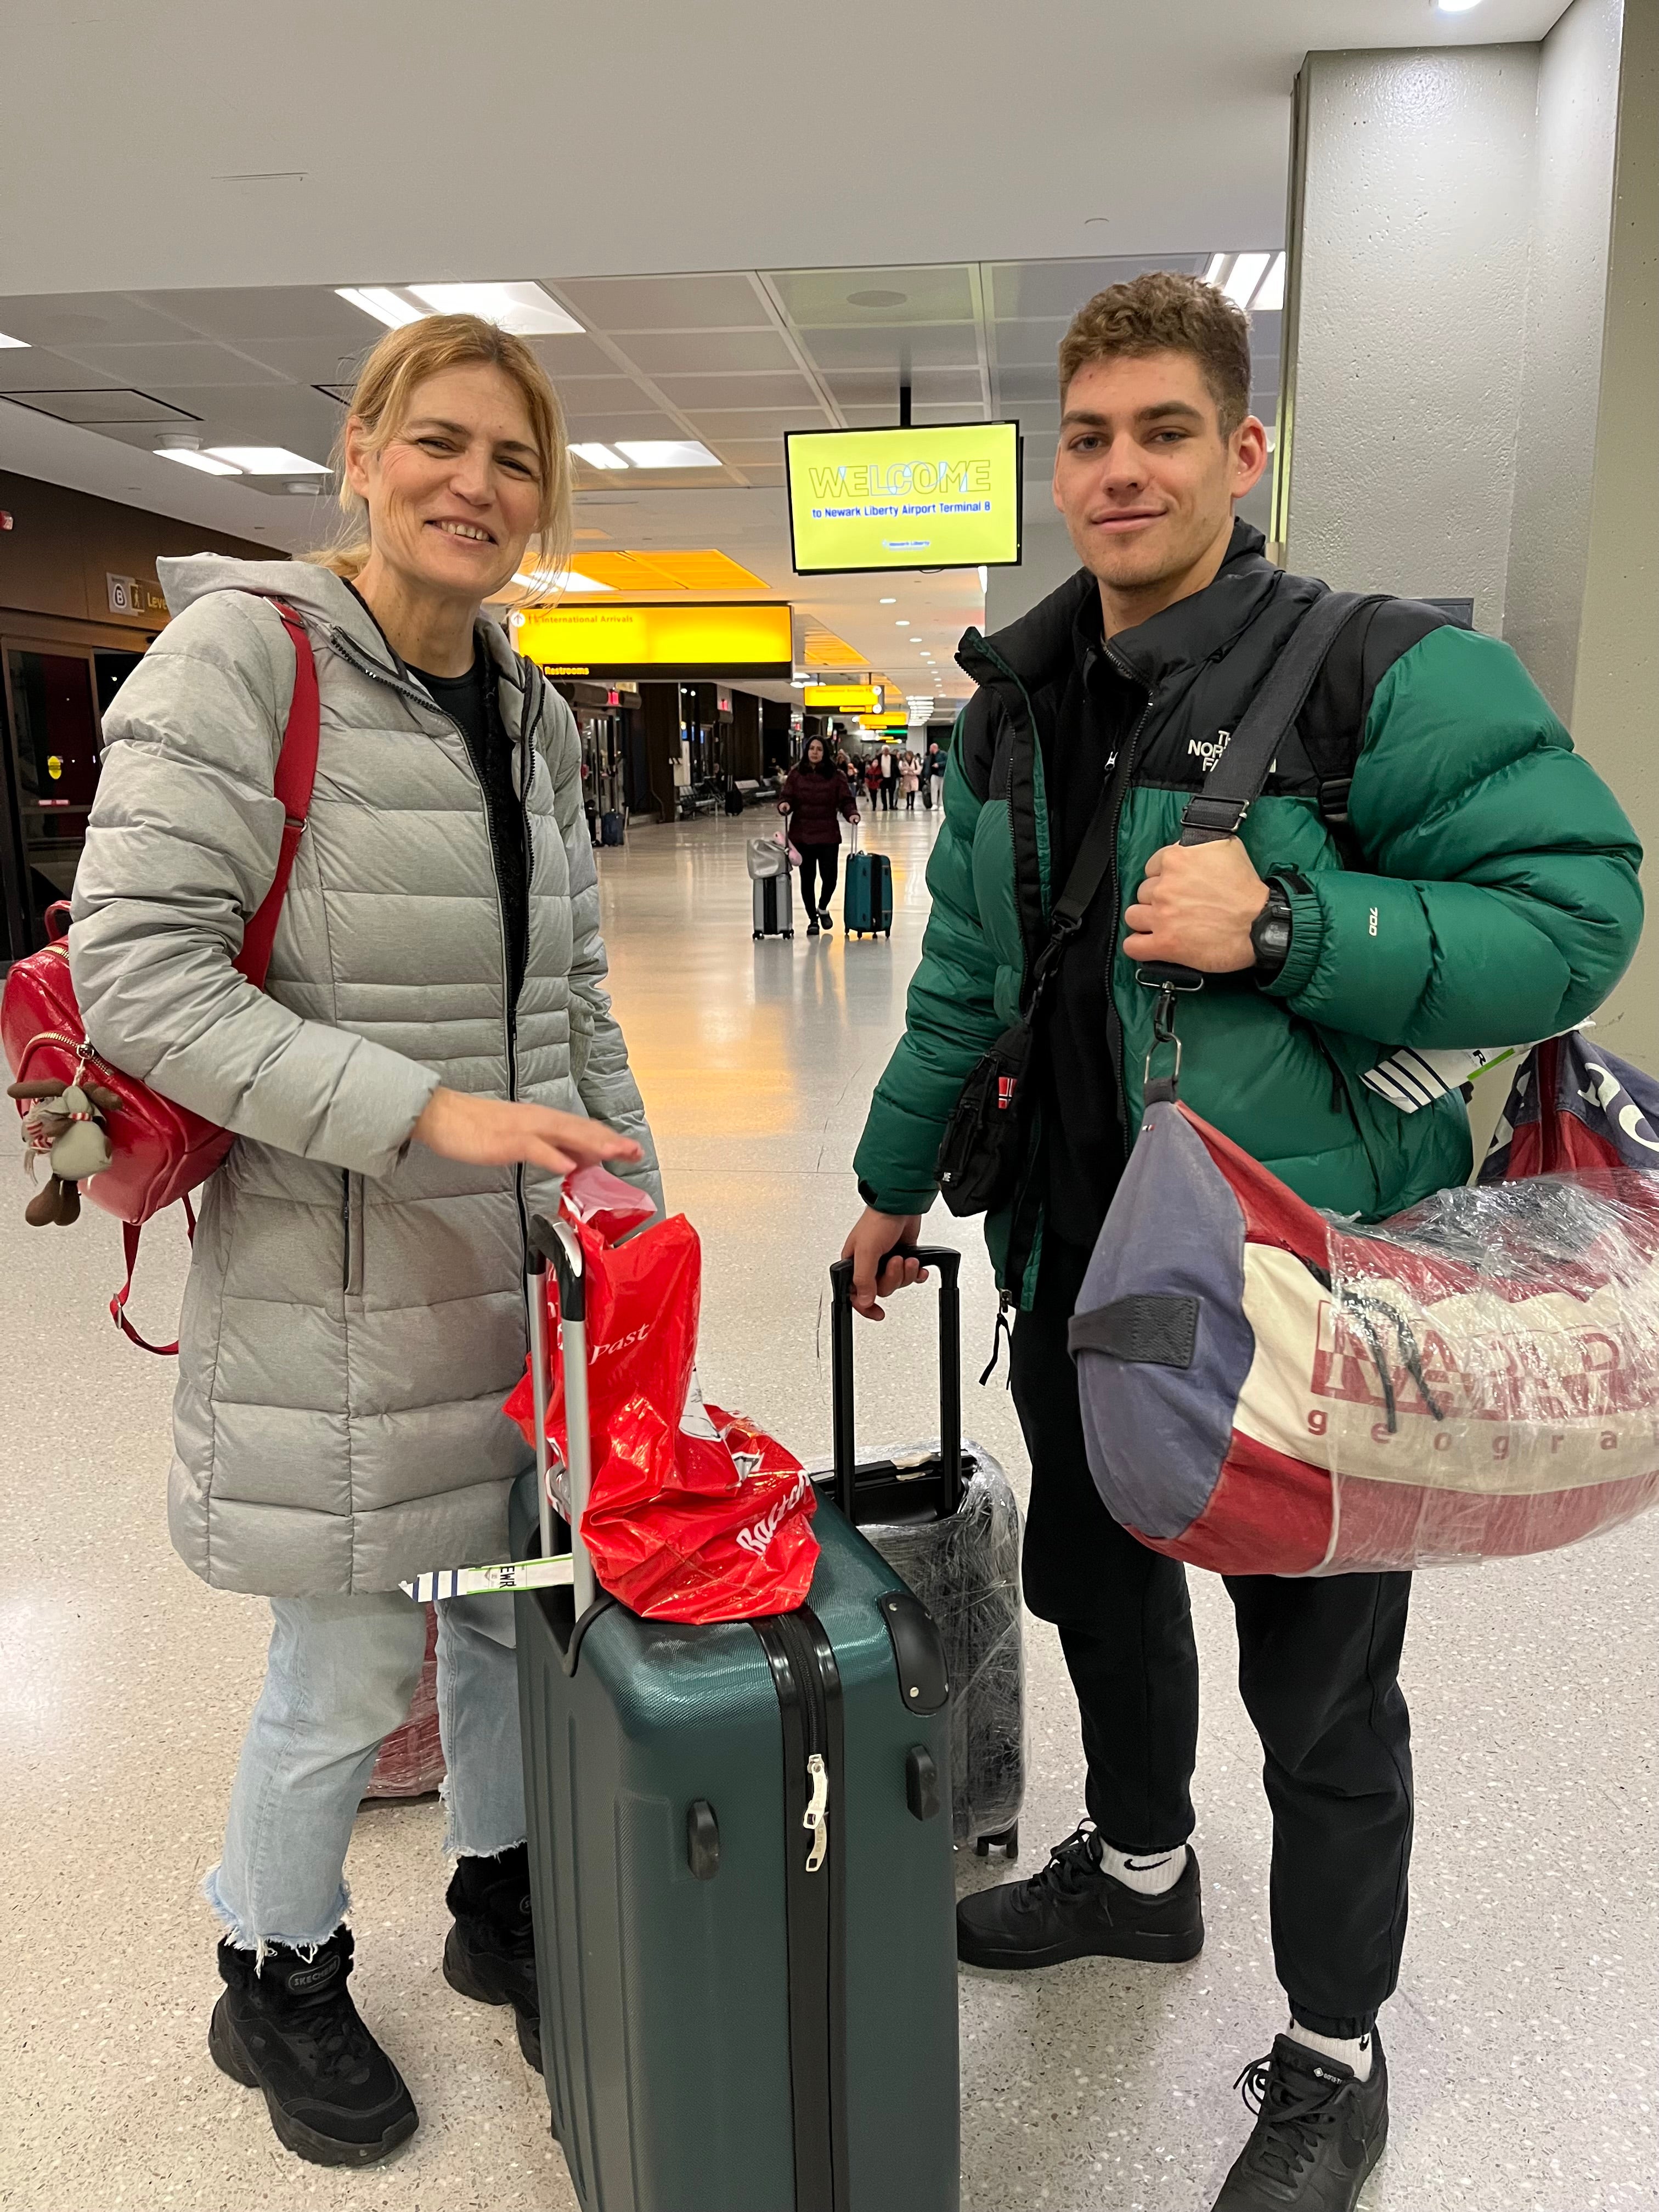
<point>788,932</point>
<point>757,937</point>
<point>1006,1845</point>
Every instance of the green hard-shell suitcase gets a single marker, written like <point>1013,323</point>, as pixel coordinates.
<point>740,1861</point>
<point>867,903</point>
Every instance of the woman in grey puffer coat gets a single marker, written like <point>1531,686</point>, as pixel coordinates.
<point>432,1047</point>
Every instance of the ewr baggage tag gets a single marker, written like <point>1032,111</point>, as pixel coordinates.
<point>481,1582</point>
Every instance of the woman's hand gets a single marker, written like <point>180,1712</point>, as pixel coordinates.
<point>496,1132</point>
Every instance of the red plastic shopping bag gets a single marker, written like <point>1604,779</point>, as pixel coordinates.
<point>694,1514</point>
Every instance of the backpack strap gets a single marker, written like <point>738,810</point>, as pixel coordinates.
<point>131,1233</point>
<point>296,778</point>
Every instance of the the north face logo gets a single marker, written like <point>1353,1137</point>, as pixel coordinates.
<point>1209,750</point>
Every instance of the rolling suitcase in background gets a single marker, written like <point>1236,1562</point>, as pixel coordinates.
<point>740,1865</point>
<point>775,905</point>
<point>869,899</point>
<point>941,1513</point>
<point>613,829</point>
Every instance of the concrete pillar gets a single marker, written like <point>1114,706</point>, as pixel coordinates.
<point>1471,398</point>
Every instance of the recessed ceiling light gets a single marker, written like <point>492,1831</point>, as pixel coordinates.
<point>381,302</point>
<point>666,453</point>
<point>189,457</point>
<point>523,307</point>
<point>558,580</point>
<point>598,456</point>
<point>1270,298</point>
<point>1457,7</point>
<point>985,580</point>
<point>268,461</point>
<point>1248,272</point>
<point>889,603</point>
<point>1218,267</point>
<point>902,622</point>
<point>5,341</point>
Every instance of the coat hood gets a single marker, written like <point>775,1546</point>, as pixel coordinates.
<point>315,593</point>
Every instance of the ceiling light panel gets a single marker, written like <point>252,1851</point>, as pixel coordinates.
<point>598,456</point>
<point>523,307</point>
<point>384,304</point>
<point>21,343</point>
<point>268,461</point>
<point>666,453</point>
<point>1270,297</point>
<point>187,457</point>
<point>1247,272</point>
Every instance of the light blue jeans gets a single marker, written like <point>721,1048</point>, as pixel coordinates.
<point>338,1678</point>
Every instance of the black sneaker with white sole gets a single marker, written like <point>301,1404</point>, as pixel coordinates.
<point>289,2027</point>
<point>1073,1909</point>
<point>1318,2131</point>
<point>489,1954</point>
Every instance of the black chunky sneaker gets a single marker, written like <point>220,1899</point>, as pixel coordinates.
<point>1073,1909</point>
<point>489,1954</point>
<point>1319,2131</point>
<point>290,2028</point>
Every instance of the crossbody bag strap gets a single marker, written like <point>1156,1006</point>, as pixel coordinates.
<point>1234,784</point>
<point>1087,872</point>
<point>294,781</point>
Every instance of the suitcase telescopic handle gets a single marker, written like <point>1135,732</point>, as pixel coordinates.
<point>555,1244</point>
<point>948,1263</point>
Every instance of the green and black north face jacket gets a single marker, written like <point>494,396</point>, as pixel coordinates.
<point>1482,890</point>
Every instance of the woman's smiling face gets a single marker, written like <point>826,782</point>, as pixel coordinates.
<point>454,495</point>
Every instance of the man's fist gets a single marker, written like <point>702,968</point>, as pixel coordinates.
<point>874,1236</point>
<point>1195,908</point>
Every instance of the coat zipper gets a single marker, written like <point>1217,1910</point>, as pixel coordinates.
<point>360,660</point>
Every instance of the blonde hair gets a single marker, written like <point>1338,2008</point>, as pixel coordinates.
<point>380,403</point>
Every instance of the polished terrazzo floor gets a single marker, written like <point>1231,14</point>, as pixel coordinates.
<point>1524,2042</point>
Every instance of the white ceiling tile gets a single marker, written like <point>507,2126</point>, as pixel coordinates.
<point>175,366</point>
<point>566,355</point>
<point>937,345</point>
<point>35,368</point>
<point>102,318</point>
<point>278,311</point>
<point>757,422</point>
<point>687,353</point>
<point>649,422</point>
<point>1023,289</point>
<point>724,301</point>
<point>818,299</point>
<point>1021,386</point>
<point>766,389</point>
<point>1030,344</point>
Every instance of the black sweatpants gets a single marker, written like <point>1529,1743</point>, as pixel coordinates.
<point>823,860</point>
<point>1318,1663</point>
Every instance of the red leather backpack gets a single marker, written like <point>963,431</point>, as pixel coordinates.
<point>162,1150</point>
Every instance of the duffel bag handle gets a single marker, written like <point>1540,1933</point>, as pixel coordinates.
<point>948,1262</point>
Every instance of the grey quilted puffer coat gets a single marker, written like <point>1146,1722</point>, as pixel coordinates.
<point>354,1314</point>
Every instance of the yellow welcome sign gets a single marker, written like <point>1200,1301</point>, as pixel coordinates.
<point>620,638</point>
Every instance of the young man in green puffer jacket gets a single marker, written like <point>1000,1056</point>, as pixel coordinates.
<point>1430,864</point>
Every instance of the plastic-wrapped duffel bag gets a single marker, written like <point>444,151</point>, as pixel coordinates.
<point>1267,1390</point>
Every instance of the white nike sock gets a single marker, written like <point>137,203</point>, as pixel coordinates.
<point>1152,1873</point>
<point>1355,2052</point>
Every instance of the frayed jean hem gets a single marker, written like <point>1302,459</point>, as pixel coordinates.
<point>241,1937</point>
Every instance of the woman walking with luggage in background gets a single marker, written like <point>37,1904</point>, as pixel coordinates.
<point>816,797</point>
<point>424,1063</point>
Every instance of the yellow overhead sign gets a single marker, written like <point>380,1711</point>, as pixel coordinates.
<point>891,725</point>
<point>614,638</point>
<point>943,496</point>
<point>844,698</point>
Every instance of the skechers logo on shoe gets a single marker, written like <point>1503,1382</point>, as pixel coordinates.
<point>313,1978</point>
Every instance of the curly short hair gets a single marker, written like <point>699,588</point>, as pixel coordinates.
<point>1163,313</point>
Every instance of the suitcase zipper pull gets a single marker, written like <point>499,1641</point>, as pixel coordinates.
<point>817,1815</point>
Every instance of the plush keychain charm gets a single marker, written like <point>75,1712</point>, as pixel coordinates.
<point>67,1124</point>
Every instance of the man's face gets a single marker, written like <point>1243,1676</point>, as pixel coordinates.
<point>1143,476</point>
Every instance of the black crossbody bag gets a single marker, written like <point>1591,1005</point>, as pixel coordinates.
<point>985,1139</point>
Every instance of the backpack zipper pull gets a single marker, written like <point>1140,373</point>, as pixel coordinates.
<point>817,1815</point>
<point>1002,1333</point>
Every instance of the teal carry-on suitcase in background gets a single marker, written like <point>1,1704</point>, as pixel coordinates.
<point>740,1862</point>
<point>868,904</point>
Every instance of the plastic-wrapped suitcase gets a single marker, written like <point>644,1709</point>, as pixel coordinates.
<point>941,1513</point>
<point>775,905</point>
<point>869,900</point>
<point>741,1876</point>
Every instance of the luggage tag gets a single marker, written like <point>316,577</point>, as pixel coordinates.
<point>481,1582</point>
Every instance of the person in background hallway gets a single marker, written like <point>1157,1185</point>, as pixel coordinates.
<point>872,781</point>
<point>935,776</point>
<point>889,778</point>
<point>909,780</point>
<point>421,1066</point>
<point>816,797</point>
<point>1476,878</point>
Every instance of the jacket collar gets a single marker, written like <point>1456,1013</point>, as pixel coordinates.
<point>1043,646</point>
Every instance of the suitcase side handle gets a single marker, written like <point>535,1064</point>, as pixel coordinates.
<point>948,1263</point>
<point>556,1243</point>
